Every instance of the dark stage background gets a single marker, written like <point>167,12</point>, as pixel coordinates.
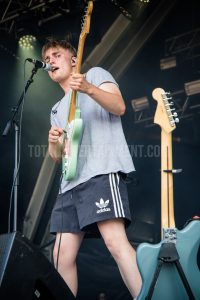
<point>176,33</point>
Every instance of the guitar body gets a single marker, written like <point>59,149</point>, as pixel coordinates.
<point>69,159</point>
<point>169,285</point>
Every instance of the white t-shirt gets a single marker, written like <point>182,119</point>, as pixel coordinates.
<point>103,148</point>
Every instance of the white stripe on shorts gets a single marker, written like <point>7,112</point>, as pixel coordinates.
<point>120,199</point>
<point>112,192</point>
<point>117,201</point>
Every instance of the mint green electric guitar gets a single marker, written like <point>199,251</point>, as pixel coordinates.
<point>169,269</point>
<point>74,127</point>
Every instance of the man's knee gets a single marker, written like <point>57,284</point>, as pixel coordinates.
<point>114,235</point>
<point>113,245</point>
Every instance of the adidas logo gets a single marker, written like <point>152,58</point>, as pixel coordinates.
<point>103,206</point>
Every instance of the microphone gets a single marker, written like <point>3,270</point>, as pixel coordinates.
<point>40,64</point>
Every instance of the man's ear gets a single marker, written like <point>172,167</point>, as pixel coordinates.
<point>73,61</point>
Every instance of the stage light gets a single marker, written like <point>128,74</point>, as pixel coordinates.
<point>168,63</point>
<point>192,87</point>
<point>27,41</point>
<point>140,104</point>
<point>144,1</point>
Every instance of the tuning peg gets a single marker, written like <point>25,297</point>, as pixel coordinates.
<point>169,103</point>
<point>172,122</point>
<point>175,114</point>
<point>176,120</point>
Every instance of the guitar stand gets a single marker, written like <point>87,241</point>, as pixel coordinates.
<point>168,254</point>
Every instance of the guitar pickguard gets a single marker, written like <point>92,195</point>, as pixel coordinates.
<point>71,148</point>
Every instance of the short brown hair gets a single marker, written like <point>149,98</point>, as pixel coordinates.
<point>52,42</point>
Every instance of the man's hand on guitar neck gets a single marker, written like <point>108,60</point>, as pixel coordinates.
<point>107,94</point>
<point>79,83</point>
<point>55,140</point>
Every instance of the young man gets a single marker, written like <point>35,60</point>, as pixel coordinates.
<point>97,197</point>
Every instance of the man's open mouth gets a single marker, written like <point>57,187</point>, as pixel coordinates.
<point>54,69</point>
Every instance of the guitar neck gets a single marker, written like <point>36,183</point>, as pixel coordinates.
<point>80,53</point>
<point>167,201</point>
<point>72,108</point>
<point>164,116</point>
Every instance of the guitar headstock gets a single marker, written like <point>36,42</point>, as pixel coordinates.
<point>85,26</point>
<point>165,116</point>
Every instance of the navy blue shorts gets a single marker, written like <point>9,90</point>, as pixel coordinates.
<point>102,197</point>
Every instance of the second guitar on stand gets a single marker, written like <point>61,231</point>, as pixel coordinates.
<point>169,269</point>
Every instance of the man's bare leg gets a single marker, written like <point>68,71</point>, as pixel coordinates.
<point>69,246</point>
<point>115,238</point>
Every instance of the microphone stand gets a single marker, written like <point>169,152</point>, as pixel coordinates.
<point>13,121</point>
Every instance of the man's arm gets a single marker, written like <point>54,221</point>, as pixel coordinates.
<point>107,94</point>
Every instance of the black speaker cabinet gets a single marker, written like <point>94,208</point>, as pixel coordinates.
<point>26,274</point>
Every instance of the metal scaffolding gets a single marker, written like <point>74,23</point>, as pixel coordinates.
<point>186,45</point>
<point>37,12</point>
